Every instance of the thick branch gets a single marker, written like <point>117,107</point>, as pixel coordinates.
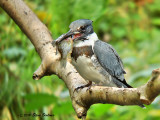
<point>81,99</point>
<point>122,96</point>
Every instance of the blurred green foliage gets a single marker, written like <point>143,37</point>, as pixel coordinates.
<point>132,27</point>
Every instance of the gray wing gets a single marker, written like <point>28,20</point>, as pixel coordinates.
<point>111,62</point>
<point>109,59</point>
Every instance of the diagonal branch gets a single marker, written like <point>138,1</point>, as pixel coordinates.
<point>82,99</point>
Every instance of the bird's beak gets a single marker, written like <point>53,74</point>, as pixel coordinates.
<point>68,34</point>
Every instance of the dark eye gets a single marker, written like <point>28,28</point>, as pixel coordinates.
<point>82,28</point>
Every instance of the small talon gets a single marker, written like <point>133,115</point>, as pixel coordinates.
<point>83,86</point>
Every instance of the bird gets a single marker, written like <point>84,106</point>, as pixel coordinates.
<point>95,60</point>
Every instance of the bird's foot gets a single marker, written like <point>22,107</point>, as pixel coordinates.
<point>83,86</point>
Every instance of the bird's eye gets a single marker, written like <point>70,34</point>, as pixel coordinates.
<point>82,28</point>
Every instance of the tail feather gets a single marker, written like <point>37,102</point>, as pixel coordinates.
<point>120,83</point>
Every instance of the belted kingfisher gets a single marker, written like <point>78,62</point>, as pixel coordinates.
<point>95,60</point>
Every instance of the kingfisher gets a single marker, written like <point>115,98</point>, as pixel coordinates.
<point>96,61</point>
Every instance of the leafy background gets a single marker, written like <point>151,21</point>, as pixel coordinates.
<point>132,27</point>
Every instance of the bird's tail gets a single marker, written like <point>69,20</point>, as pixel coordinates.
<point>121,84</point>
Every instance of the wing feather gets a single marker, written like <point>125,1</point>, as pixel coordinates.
<point>109,59</point>
<point>111,62</point>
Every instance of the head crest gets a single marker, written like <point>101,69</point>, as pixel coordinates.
<point>81,22</point>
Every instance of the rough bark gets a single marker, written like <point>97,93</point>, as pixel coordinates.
<point>82,99</point>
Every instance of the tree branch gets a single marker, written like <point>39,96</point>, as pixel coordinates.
<point>82,99</point>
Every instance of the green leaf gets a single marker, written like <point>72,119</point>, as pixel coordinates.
<point>14,52</point>
<point>63,108</point>
<point>156,21</point>
<point>119,32</point>
<point>140,34</point>
<point>88,9</point>
<point>143,73</point>
<point>100,109</point>
<point>39,100</point>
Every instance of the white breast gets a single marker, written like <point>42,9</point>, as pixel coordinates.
<point>87,70</point>
<point>89,67</point>
<point>90,41</point>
